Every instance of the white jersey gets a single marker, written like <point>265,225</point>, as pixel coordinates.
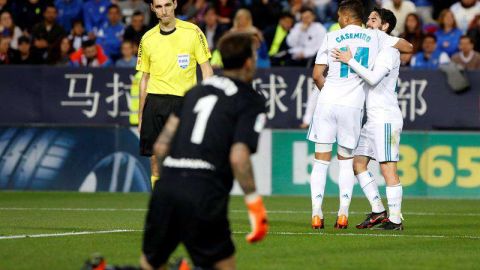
<point>382,102</point>
<point>342,85</point>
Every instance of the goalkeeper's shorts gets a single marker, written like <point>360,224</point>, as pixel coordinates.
<point>192,210</point>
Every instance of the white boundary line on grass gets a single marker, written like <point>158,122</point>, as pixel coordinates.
<point>395,235</point>
<point>372,235</point>
<point>63,234</point>
<point>233,211</point>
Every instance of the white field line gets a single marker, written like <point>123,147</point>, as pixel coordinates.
<point>233,211</point>
<point>371,235</point>
<point>63,234</point>
<point>23,236</point>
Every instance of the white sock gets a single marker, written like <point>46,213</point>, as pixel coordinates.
<point>346,180</point>
<point>318,179</point>
<point>370,189</point>
<point>394,199</point>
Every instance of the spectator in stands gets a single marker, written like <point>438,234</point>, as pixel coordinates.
<point>276,39</point>
<point>128,55</point>
<point>134,32</point>
<point>225,10</point>
<point>90,55</point>
<point>77,35</point>
<point>60,55</point>
<point>401,9</point>
<point>110,35</point>
<point>243,23</point>
<point>130,7</point>
<point>265,12</point>
<point>295,7</point>
<point>305,39</point>
<point>68,11</point>
<point>212,29</point>
<point>424,10</point>
<point>430,57</point>
<point>24,55</point>
<point>8,29</point>
<point>412,33</point>
<point>194,11</point>
<point>6,53</point>
<point>467,57</point>
<point>464,12</point>
<point>47,34</point>
<point>95,15</point>
<point>474,32</point>
<point>448,35</point>
<point>4,6</point>
<point>28,13</point>
<point>325,9</point>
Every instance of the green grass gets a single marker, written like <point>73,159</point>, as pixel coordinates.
<point>440,234</point>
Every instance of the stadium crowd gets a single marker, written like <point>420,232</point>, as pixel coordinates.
<point>100,33</point>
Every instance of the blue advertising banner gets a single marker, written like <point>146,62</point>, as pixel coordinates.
<point>76,159</point>
<point>102,96</point>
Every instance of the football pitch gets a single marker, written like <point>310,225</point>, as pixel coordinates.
<point>52,230</point>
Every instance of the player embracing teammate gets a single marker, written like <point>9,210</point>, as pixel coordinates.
<point>339,111</point>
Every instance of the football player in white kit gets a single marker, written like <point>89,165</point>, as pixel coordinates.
<point>380,136</point>
<point>339,109</point>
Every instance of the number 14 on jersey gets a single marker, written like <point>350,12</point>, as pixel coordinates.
<point>361,56</point>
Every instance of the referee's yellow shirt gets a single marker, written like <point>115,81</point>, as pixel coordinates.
<point>171,58</point>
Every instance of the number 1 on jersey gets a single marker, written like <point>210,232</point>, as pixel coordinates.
<point>203,108</point>
<point>361,56</point>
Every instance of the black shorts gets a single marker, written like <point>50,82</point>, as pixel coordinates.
<point>156,111</point>
<point>191,211</point>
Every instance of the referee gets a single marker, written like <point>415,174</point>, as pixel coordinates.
<point>167,57</point>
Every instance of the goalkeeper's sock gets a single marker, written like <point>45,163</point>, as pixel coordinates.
<point>370,189</point>
<point>317,185</point>
<point>154,179</point>
<point>346,180</point>
<point>394,199</point>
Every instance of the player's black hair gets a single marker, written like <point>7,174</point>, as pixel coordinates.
<point>235,49</point>
<point>355,7</point>
<point>386,16</point>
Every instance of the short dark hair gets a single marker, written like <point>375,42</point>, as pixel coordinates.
<point>235,49</point>
<point>355,7</point>
<point>88,43</point>
<point>112,6</point>
<point>287,15</point>
<point>430,35</point>
<point>23,39</point>
<point>387,16</point>
<point>137,13</point>
<point>469,38</point>
<point>306,9</point>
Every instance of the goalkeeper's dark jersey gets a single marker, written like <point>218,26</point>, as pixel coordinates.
<point>216,114</point>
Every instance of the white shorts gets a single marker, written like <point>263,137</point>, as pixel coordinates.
<point>380,141</point>
<point>336,123</point>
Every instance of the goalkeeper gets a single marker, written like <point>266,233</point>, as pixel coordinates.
<point>202,147</point>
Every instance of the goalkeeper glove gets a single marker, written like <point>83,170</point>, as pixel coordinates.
<point>258,217</point>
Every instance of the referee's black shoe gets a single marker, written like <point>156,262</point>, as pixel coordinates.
<point>372,220</point>
<point>387,225</point>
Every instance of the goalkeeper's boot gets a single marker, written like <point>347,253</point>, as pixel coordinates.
<point>372,220</point>
<point>180,264</point>
<point>342,222</point>
<point>317,223</point>
<point>387,225</point>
